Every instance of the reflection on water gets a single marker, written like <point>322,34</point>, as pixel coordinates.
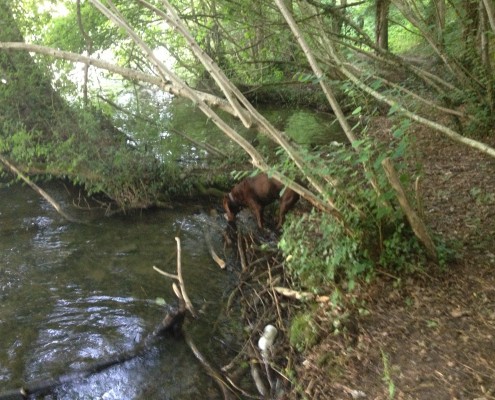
<point>74,294</point>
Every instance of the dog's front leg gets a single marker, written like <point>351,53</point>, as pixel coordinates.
<point>257,210</point>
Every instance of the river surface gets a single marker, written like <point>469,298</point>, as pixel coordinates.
<point>72,294</point>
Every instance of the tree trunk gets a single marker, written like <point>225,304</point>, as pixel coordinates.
<point>490,12</point>
<point>470,23</point>
<point>381,23</point>
<point>485,54</point>
<point>417,224</point>
<point>440,22</point>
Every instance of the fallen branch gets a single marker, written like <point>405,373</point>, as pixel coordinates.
<point>258,381</point>
<point>242,254</point>
<point>223,383</point>
<point>161,272</point>
<point>40,191</point>
<point>181,280</point>
<point>180,293</point>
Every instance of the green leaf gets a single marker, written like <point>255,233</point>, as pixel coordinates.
<point>357,143</point>
<point>402,128</point>
<point>395,107</point>
<point>160,301</point>
<point>357,110</point>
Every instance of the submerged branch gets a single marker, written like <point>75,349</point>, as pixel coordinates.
<point>221,263</point>
<point>172,323</point>
<point>188,302</point>
<point>217,376</point>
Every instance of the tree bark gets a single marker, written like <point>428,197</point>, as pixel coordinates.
<point>440,21</point>
<point>490,12</point>
<point>470,23</point>
<point>485,54</point>
<point>381,23</point>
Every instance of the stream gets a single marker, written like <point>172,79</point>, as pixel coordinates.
<point>72,294</point>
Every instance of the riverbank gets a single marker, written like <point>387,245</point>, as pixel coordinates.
<point>427,334</point>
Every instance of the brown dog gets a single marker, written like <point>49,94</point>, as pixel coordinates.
<point>256,193</point>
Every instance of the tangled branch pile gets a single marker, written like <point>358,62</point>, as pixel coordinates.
<point>266,356</point>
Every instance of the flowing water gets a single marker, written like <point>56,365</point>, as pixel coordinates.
<point>72,294</point>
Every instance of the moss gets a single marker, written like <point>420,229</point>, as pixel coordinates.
<point>303,332</point>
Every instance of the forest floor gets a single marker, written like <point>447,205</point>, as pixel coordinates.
<point>428,334</point>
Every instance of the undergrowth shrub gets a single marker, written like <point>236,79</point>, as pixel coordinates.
<point>320,253</point>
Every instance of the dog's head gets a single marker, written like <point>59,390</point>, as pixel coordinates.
<point>231,207</point>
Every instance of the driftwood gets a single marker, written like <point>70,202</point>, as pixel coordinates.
<point>242,254</point>
<point>227,390</point>
<point>417,224</point>
<point>258,381</point>
<point>182,295</point>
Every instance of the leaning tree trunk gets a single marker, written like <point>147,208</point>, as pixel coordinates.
<point>26,94</point>
<point>486,55</point>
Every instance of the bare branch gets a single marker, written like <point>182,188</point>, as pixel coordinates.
<point>181,280</point>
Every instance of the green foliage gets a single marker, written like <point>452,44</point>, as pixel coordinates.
<point>137,165</point>
<point>402,36</point>
<point>400,248</point>
<point>483,118</point>
<point>320,251</point>
<point>24,146</point>
<point>63,30</point>
<point>481,196</point>
<point>97,160</point>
